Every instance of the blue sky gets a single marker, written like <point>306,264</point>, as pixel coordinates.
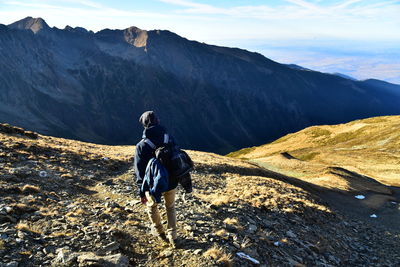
<point>358,37</point>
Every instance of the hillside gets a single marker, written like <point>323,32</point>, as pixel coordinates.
<point>72,203</point>
<point>360,157</point>
<point>88,86</point>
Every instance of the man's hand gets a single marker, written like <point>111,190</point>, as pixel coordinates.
<point>143,200</point>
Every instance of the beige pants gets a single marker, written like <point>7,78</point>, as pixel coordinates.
<point>154,214</point>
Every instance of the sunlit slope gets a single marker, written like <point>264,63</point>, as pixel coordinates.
<point>340,156</point>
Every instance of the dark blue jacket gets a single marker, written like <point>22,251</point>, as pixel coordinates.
<point>144,152</point>
<point>156,180</point>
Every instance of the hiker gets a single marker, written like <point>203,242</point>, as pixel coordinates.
<point>152,178</point>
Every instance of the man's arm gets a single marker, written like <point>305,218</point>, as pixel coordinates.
<point>141,160</point>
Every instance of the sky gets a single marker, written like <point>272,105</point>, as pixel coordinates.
<point>359,38</point>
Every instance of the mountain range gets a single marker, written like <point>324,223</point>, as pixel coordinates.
<point>78,84</point>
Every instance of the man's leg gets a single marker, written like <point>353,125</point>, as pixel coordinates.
<point>169,197</point>
<point>154,214</point>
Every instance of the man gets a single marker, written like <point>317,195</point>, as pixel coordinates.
<point>154,136</point>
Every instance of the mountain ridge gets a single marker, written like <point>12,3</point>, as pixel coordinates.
<point>93,87</point>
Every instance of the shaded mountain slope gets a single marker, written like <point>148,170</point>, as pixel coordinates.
<point>93,86</point>
<point>72,202</point>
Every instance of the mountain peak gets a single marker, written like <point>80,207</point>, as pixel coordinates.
<point>136,36</point>
<point>29,23</point>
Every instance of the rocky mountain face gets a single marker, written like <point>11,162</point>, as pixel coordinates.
<point>69,203</point>
<point>93,86</point>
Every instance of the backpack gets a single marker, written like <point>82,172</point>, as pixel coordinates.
<point>176,161</point>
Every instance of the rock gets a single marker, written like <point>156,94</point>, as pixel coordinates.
<point>236,245</point>
<point>291,234</point>
<point>11,264</point>
<point>49,249</point>
<point>166,253</point>
<point>21,234</point>
<point>91,259</point>
<point>109,182</point>
<point>21,172</point>
<point>108,248</point>
<point>252,228</point>
<point>188,228</point>
<point>64,257</point>
<point>8,209</point>
<point>43,174</point>
<point>3,236</point>
<point>133,202</point>
<point>112,204</point>
<point>7,218</point>
<point>197,251</point>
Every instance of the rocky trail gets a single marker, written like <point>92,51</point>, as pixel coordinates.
<point>68,203</point>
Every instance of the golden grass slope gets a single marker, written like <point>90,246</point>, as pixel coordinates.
<point>363,155</point>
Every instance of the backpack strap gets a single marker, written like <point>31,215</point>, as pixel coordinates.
<point>166,138</point>
<point>151,144</point>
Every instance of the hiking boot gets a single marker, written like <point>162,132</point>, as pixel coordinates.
<point>163,237</point>
<point>175,243</point>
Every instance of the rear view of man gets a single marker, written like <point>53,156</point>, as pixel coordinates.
<point>154,136</point>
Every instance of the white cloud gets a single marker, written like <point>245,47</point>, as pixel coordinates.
<point>305,4</point>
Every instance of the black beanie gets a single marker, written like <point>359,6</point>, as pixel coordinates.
<point>149,119</point>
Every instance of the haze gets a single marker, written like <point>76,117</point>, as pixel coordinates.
<point>352,37</point>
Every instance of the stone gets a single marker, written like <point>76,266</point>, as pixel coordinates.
<point>8,209</point>
<point>43,174</point>
<point>236,245</point>
<point>65,257</point>
<point>7,218</point>
<point>166,253</point>
<point>91,259</point>
<point>252,228</point>
<point>110,247</point>
<point>291,234</point>
<point>21,234</point>
<point>197,251</point>
<point>11,264</point>
<point>49,249</point>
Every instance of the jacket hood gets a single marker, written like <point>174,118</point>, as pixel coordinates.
<point>155,134</point>
<point>149,119</point>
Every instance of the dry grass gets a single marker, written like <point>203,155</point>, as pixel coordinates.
<point>232,221</point>
<point>46,212</point>
<point>369,147</point>
<point>222,233</point>
<point>76,213</point>
<point>29,189</point>
<point>220,200</point>
<point>219,256</point>
<point>131,223</point>
<point>28,228</point>
<point>215,199</point>
<point>61,234</point>
<point>25,253</point>
<point>72,219</point>
<point>97,224</point>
